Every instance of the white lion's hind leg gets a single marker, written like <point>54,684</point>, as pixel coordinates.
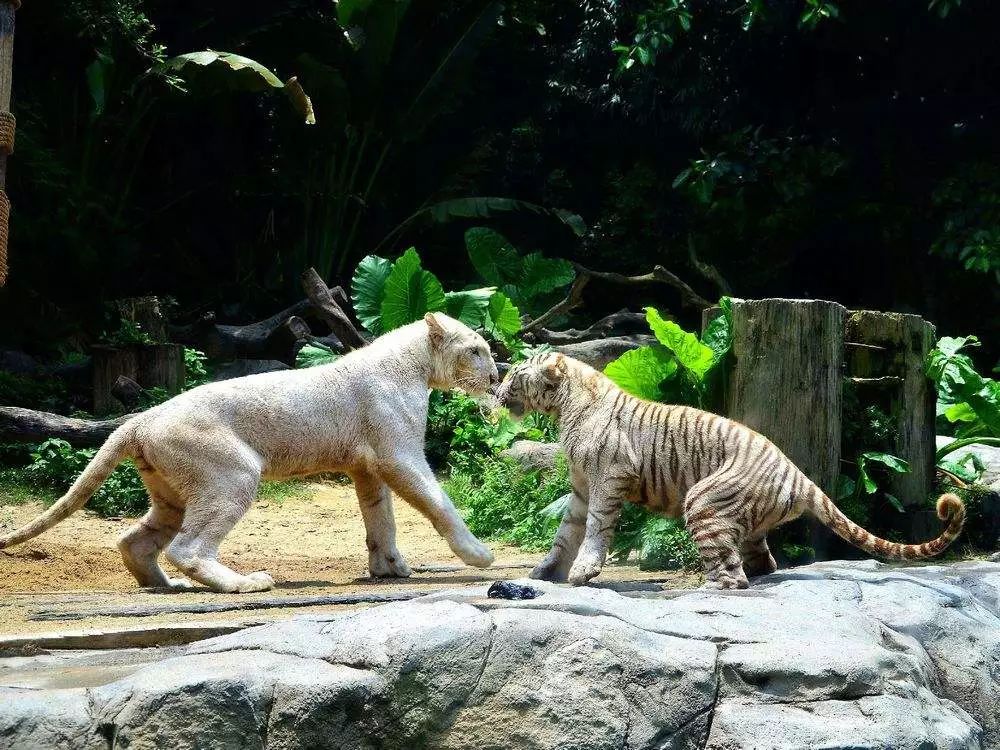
<point>211,512</point>
<point>140,546</point>
<point>384,558</point>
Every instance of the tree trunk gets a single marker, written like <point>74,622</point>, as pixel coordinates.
<point>786,383</point>
<point>150,365</point>
<point>885,359</point>
<point>29,426</point>
<point>7,123</point>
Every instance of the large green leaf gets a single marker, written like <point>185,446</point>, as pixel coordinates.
<point>470,305</point>
<point>504,318</point>
<point>368,291</point>
<point>690,352</point>
<point>493,256</point>
<point>641,371</point>
<point>540,275</point>
<point>410,292</point>
<point>718,335</point>
<point>312,355</point>
<point>211,72</point>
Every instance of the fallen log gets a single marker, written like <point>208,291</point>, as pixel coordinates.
<point>280,336</point>
<point>30,426</point>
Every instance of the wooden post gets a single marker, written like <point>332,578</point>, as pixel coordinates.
<point>885,364</point>
<point>786,382</point>
<point>7,122</point>
<point>150,365</point>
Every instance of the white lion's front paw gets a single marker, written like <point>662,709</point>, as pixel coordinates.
<point>475,553</point>
<point>180,584</point>
<point>258,581</point>
<point>388,566</point>
<point>583,570</point>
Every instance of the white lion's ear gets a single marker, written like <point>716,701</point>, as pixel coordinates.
<point>555,369</point>
<point>435,329</point>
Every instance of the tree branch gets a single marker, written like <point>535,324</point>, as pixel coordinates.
<point>707,270</point>
<point>659,275</point>
<point>324,302</point>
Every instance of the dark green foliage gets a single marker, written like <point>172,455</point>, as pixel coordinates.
<point>461,432</point>
<point>55,465</point>
<point>31,392</point>
<point>659,543</point>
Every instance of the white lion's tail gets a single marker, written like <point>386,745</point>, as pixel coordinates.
<point>117,447</point>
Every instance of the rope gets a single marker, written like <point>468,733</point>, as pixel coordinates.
<point>4,218</point>
<point>8,124</point>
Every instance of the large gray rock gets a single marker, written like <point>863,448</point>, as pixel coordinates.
<point>598,352</point>
<point>834,655</point>
<point>533,454</point>
<point>988,454</point>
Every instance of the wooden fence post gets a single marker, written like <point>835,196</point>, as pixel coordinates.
<point>7,122</point>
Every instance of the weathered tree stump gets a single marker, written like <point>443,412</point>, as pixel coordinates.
<point>149,365</point>
<point>793,360</point>
<point>786,383</point>
<point>786,379</point>
<point>885,362</point>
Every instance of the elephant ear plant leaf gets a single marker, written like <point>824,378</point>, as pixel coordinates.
<point>967,400</point>
<point>368,291</point>
<point>469,305</point>
<point>209,72</point>
<point>389,294</point>
<point>679,366</point>
<point>410,292</point>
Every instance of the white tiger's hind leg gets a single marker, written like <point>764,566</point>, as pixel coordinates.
<point>384,558</point>
<point>555,565</point>
<point>757,557</point>
<point>715,532</point>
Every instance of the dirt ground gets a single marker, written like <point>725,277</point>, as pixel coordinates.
<point>312,545</point>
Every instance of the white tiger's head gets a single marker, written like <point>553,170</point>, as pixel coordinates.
<point>461,358</point>
<point>534,385</point>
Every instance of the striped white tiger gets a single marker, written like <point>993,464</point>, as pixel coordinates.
<point>730,484</point>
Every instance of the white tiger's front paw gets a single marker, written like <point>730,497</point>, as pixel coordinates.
<point>388,566</point>
<point>548,570</point>
<point>583,570</point>
<point>180,584</point>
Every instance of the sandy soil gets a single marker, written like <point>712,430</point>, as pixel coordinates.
<point>312,545</point>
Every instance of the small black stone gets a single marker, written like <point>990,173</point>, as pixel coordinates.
<point>507,590</point>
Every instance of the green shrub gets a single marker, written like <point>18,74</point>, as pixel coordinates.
<point>660,543</point>
<point>56,464</point>
<point>195,370</point>
<point>503,502</point>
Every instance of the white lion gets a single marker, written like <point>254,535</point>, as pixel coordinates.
<point>203,453</point>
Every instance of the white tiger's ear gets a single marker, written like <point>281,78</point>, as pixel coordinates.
<point>435,329</point>
<point>555,368</point>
